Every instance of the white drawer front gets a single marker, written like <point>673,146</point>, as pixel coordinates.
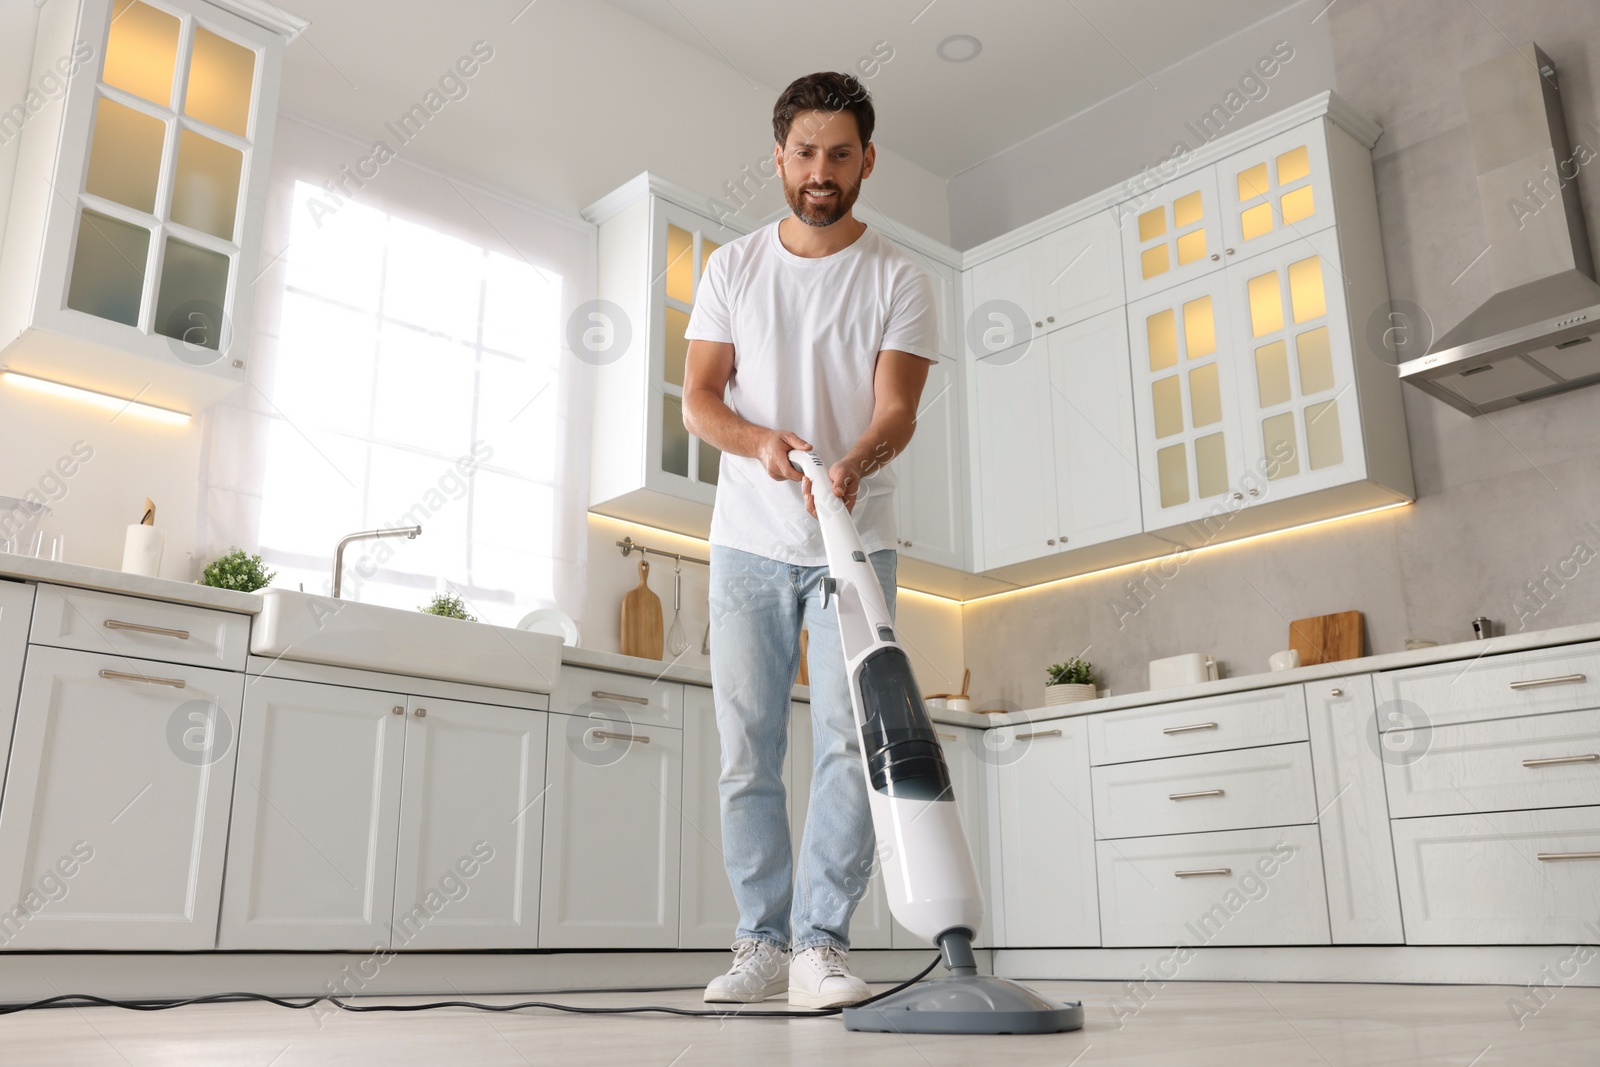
<point>1237,720</point>
<point>1269,786</point>
<point>1240,887</point>
<point>116,625</point>
<point>620,697</point>
<point>1538,761</point>
<point>1478,879</point>
<point>1565,678</point>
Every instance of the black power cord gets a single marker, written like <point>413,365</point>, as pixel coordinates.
<point>72,1000</point>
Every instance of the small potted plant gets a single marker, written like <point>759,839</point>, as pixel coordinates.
<point>1069,682</point>
<point>237,570</point>
<point>451,607</point>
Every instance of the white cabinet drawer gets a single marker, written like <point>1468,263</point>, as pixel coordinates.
<point>116,625</point>
<point>1240,887</point>
<point>1269,786</point>
<point>1237,720</point>
<point>620,697</point>
<point>1479,879</point>
<point>1538,761</point>
<point>1564,678</point>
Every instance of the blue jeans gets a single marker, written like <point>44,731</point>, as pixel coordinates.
<point>757,608</point>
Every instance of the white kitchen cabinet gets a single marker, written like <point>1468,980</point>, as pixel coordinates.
<point>1353,817</point>
<point>1250,719</point>
<point>1540,681</point>
<point>645,465</point>
<point>1239,790</point>
<point>1047,846</point>
<point>316,818</point>
<point>613,826</point>
<point>931,489</point>
<point>120,625</point>
<point>1235,887</point>
<point>1172,234</point>
<point>962,746</point>
<point>1276,191</point>
<point>1067,275</point>
<point>120,778</point>
<point>1497,878</point>
<point>133,233</point>
<point>1057,455</point>
<point>471,826</point>
<point>869,924</point>
<point>16,606</point>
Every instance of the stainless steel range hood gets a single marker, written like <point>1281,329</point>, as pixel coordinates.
<point>1534,337</point>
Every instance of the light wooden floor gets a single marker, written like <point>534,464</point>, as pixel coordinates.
<point>1183,1024</point>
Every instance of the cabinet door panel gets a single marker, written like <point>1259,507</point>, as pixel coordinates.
<point>1016,278</point>
<point>1016,496</point>
<point>1171,234</point>
<point>1300,422</point>
<point>1043,777</point>
<point>1096,449</point>
<point>471,827</point>
<point>1277,191</point>
<point>316,813</point>
<point>1079,269</point>
<point>1185,403</point>
<point>929,484</point>
<point>131,775</point>
<point>16,605</point>
<point>612,825</point>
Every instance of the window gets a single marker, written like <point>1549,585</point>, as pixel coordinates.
<point>413,381</point>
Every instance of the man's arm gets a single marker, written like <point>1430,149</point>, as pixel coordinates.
<point>706,415</point>
<point>897,382</point>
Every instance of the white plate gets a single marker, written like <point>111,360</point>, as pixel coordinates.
<point>551,621</point>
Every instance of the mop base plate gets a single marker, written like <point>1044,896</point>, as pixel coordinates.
<point>966,1004</point>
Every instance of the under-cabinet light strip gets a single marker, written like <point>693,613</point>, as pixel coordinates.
<point>89,396</point>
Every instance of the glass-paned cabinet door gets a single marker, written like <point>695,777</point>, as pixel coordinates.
<point>1171,234</point>
<point>1302,425</point>
<point>158,214</point>
<point>1276,192</point>
<point>681,243</point>
<point>1183,343</point>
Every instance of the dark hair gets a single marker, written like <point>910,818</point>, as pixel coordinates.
<point>823,91</point>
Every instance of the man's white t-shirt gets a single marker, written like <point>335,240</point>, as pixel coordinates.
<point>806,334</point>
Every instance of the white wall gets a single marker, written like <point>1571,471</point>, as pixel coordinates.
<point>1140,126</point>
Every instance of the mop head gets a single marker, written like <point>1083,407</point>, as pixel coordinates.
<point>966,1004</point>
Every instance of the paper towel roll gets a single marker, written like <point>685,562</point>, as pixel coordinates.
<point>141,552</point>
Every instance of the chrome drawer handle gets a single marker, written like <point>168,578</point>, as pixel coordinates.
<point>176,683</point>
<point>1189,729</point>
<point>1208,872</point>
<point>600,694</point>
<point>118,624</point>
<point>1547,857</point>
<point>1565,679</point>
<point>607,735</point>
<point>1551,761</point>
<point>1038,733</point>
<point>945,737</point>
<point>1197,793</point>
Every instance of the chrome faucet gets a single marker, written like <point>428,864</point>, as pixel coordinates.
<point>410,532</point>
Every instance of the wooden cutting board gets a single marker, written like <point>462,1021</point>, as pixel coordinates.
<point>1326,638</point>
<point>641,618</point>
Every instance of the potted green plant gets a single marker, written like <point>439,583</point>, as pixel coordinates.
<point>451,607</point>
<point>237,570</point>
<point>1069,682</point>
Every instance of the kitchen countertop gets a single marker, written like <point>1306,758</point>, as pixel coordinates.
<point>77,574</point>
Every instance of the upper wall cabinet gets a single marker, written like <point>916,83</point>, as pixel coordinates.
<point>132,236</point>
<point>1063,277</point>
<point>646,466</point>
<point>1172,234</point>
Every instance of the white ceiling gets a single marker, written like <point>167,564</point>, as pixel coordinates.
<point>584,94</point>
<point>1042,61</point>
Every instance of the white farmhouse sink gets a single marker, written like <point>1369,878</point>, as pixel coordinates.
<point>343,633</point>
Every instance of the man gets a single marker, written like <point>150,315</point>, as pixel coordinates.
<point>812,333</point>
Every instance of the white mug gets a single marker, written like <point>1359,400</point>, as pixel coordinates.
<point>1287,660</point>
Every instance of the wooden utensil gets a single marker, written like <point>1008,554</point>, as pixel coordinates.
<point>641,618</point>
<point>966,680</point>
<point>1327,638</point>
<point>803,677</point>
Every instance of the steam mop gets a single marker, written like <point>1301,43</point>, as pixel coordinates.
<point>928,870</point>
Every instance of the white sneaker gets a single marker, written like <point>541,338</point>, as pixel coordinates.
<point>819,978</point>
<point>760,970</point>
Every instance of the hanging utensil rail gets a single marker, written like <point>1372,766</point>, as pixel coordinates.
<point>628,544</point>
